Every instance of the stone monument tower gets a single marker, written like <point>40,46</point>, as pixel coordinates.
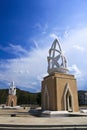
<point>59,89</point>
<point>12,98</point>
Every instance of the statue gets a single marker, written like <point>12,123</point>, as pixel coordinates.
<point>56,60</point>
<point>12,89</point>
<point>12,98</point>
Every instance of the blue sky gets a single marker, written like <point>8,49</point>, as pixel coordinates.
<point>27,30</point>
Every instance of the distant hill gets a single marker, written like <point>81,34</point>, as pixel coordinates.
<point>23,97</point>
<point>3,95</point>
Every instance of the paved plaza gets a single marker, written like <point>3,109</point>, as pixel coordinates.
<point>23,118</point>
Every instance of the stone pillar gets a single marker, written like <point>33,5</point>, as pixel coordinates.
<point>56,89</point>
<point>11,100</point>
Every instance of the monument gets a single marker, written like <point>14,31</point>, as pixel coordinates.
<point>59,89</point>
<point>12,98</point>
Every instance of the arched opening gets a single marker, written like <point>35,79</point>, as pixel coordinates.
<point>46,99</point>
<point>68,100</point>
<point>12,103</point>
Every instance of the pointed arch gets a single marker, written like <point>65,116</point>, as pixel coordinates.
<point>12,103</point>
<point>68,99</point>
<point>46,98</point>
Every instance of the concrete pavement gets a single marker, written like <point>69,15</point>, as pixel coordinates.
<point>44,120</point>
<point>23,120</point>
<point>43,123</point>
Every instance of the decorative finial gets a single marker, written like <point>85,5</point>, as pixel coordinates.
<point>56,60</point>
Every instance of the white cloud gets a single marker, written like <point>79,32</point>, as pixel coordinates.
<point>42,28</point>
<point>73,45</point>
<point>17,49</point>
<point>26,71</point>
<point>75,70</point>
<point>54,36</point>
<point>66,34</point>
<point>77,47</point>
<point>35,43</point>
<point>75,37</point>
<point>14,49</point>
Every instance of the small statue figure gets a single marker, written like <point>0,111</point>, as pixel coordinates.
<point>12,89</point>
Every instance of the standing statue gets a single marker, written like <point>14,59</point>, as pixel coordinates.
<point>56,60</point>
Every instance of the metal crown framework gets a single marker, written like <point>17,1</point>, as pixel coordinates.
<point>56,60</point>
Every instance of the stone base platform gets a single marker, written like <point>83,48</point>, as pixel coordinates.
<point>55,113</point>
<point>47,113</point>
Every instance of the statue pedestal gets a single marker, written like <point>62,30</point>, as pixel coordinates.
<point>11,100</point>
<point>59,93</point>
